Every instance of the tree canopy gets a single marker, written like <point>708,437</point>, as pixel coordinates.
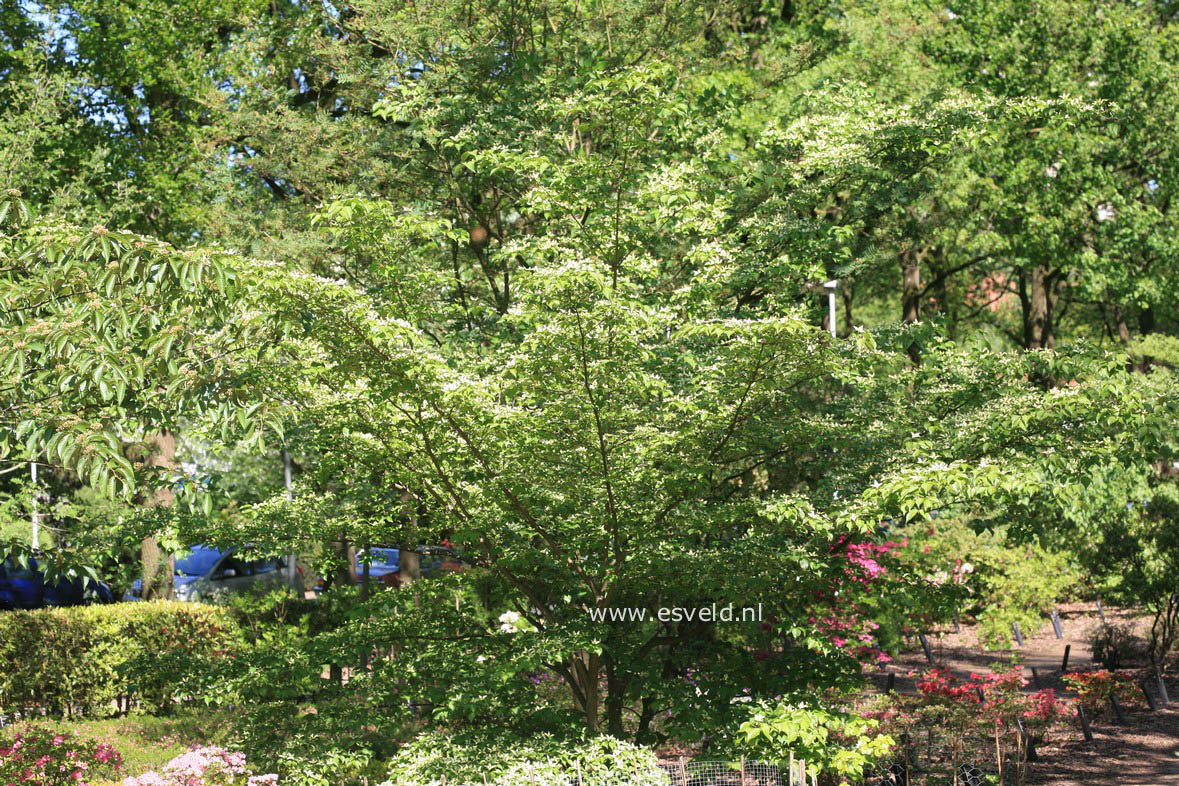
<point>545,281</point>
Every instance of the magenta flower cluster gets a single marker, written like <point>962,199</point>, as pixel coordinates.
<point>40,756</point>
<point>845,623</point>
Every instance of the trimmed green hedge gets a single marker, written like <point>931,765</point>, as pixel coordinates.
<point>96,660</point>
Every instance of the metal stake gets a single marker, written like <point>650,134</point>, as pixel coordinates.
<point>1088,732</point>
<point>1029,746</point>
<point>1117,708</point>
<point>1149,699</point>
<point>925,646</point>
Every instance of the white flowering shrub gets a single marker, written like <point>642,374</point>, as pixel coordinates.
<point>539,760</point>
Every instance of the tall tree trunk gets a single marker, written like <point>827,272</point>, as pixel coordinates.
<point>410,559</point>
<point>365,577</point>
<point>411,564</point>
<point>1039,327</point>
<point>911,296</point>
<point>158,568</point>
<point>614,699</point>
<point>1119,315</point>
<point>1025,307</point>
<point>1146,321</point>
<point>346,566</point>
<point>646,715</point>
<point>586,668</point>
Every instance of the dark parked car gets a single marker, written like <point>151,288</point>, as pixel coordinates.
<point>26,588</point>
<point>205,573</point>
<point>385,564</point>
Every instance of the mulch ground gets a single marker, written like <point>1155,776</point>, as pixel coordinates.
<point>1142,751</point>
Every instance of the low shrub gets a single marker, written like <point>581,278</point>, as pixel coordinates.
<point>43,756</point>
<point>961,721</point>
<point>322,744</point>
<point>507,760</point>
<point>204,766</point>
<point>1004,579</point>
<point>90,660</point>
<point>829,740</point>
<point>260,610</point>
<point>1115,645</point>
<point>1095,689</point>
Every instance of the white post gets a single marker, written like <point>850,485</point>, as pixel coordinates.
<point>830,286</point>
<point>286,477</point>
<point>36,515</point>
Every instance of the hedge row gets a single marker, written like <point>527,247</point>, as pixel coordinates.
<point>98,660</point>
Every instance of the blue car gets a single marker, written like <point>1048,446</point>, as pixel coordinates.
<point>384,567</point>
<point>26,588</point>
<point>206,573</point>
<point>384,562</point>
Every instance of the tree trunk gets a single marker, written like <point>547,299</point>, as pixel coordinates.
<point>152,569</point>
<point>646,715</point>
<point>1119,315</point>
<point>1146,321</point>
<point>411,564</point>
<point>410,567</point>
<point>345,577</point>
<point>586,668</point>
<point>825,308</point>
<point>614,696</point>
<point>346,568</point>
<point>365,578</point>
<point>159,569</point>
<point>911,296</point>
<point>1039,327</point>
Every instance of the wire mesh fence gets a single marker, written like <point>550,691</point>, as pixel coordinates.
<point>796,772</point>
<point>793,772</point>
<point>906,771</point>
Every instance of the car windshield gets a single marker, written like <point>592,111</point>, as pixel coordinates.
<point>386,556</point>
<point>14,571</point>
<point>199,561</point>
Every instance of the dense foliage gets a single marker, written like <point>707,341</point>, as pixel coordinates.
<point>102,659</point>
<point>507,759</point>
<point>545,282</point>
